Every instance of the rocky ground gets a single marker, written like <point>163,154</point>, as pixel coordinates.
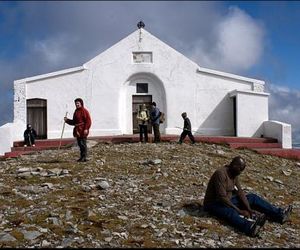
<point>136,195</point>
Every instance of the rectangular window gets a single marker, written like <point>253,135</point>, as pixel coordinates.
<point>142,57</point>
<point>142,88</point>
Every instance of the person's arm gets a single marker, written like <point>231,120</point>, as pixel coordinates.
<point>87,123</point>
<point>220,185</point>
<point>187,124</point>
<point>243,198</point>
<point>70,121</point>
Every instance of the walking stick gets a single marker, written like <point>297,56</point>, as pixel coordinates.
<point>62,132</point>
<point>192,131</point>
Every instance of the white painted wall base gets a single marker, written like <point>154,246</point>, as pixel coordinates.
<point>279,130</point>
<point>9,133</point>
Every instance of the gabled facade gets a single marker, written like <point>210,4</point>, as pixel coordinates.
<point>141,69</point>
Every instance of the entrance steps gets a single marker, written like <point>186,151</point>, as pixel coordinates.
<point>268,146</point>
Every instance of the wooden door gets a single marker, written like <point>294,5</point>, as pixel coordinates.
<point>137,101</point>
<point>37,116</point>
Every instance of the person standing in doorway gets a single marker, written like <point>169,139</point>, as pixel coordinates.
<point>187,129</point>
<point>154,117</point>
<point>82,123</point>
<point>143,118</point>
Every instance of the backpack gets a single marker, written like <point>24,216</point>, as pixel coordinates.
<point>161,117</point>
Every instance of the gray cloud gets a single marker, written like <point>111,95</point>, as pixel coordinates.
<point>284,105</point>
<point>238,43</point>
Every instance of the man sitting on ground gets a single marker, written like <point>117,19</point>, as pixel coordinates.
<point>225,199</point>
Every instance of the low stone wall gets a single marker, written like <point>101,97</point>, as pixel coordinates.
<point>279,130</point>
<point>9,133</point>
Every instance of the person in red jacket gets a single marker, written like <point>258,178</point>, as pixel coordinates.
<point>82,123</point>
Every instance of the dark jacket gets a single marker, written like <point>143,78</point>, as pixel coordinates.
<point>30,133</point>
<point>187,124</point>
<point>154,116</point>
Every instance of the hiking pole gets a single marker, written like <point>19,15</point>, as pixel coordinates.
<point>192,131</point>
<point>62,132</point>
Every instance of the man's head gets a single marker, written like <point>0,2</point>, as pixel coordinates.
<point>78,102</point>
<point>153,104</point>
<point>184,115</point>
<point>144,107</point>
<point>28,126</point>
<point>237,165</point>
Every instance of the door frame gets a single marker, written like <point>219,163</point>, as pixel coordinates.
<point>136,100</point>
<point>36,109</point>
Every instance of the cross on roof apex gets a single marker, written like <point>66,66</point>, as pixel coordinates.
<point>140,24</point>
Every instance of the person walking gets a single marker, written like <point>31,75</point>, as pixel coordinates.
<point>187,129</point>
<point>225,199</point>
<point>143,118</point>
<point>154,117</point>
<point>82,123</point>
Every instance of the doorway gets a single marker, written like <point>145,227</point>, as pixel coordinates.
<point>37,116</point>
<point>234,115</point>
<point>137,101</point>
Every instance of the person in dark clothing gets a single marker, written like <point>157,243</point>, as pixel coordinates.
<point>82,123</point>
<point>225,199</point>
<point>187,129</point>
<point>29,136</point>
<point>154,117</point>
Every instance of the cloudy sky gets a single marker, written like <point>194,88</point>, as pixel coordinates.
<point>256,39</point>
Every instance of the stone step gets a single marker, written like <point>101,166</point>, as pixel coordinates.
<point>47,142</point>
<point>234,142</point>
<point>280,152</point>
<point>250,145</point>
<point>15,154</point>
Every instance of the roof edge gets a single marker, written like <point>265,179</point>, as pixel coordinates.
<point>52,74</point>
<point>236,91</point>
<point>229,75</point>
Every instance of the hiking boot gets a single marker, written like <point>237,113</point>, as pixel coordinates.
<point>261,219</point>
<point>286,214</point>
<point>257,225</point>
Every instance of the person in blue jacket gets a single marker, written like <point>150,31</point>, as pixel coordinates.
<point>154,117</point>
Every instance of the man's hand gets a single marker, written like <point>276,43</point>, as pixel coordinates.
<point>85,131</point>
<point>65,118</point>
<point>245,213</point>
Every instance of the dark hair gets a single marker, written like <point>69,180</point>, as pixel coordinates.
<point>79,100</point>
<point>238,160</point>
<point>154,104</point>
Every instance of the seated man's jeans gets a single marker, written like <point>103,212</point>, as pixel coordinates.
<point>229,214</point>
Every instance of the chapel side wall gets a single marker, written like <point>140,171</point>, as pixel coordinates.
<point>20,102</point>
<point>60,95</point>
<point>252,112</point>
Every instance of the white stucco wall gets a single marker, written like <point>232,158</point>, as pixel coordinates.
<point>251,112</point>
<point>107,82</point>
<point>9,133</point>
<point>279,130</point>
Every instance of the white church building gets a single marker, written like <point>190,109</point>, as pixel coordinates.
<point>140,69</point>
